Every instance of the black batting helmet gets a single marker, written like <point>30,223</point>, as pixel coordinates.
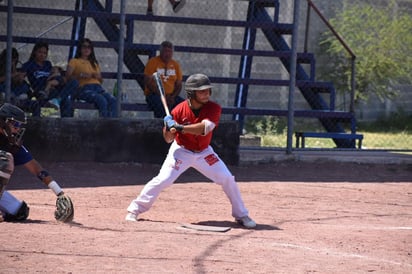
<point>195,82</point>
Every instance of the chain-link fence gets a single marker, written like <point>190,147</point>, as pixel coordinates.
<point>245,48</point>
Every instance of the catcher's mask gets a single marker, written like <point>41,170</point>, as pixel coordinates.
<point>197,82</point>
<point>12,121</point>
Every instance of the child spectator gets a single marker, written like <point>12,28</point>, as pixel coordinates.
<point>49,85</point>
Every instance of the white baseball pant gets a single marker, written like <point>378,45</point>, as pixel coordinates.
<point>179,160</point>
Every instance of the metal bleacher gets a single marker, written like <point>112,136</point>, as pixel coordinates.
<point>258,17</point>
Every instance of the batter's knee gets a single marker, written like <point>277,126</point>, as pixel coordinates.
<point>226,180</point>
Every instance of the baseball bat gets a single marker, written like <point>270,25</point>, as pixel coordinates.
<point>159,84</point>
<point>161,89</point>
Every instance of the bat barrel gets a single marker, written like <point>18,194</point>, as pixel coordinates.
<point>161,89</point>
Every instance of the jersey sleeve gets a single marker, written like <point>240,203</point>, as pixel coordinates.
<point>22,156</point>
<point>214,113</point>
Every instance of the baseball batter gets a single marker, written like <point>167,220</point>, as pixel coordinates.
<point>190,129</point>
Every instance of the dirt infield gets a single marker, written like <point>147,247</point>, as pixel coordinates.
<point>312,218</point>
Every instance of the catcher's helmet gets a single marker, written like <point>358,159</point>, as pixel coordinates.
<point>196,82</point>
<point>10,115</point>
<point>10,111</point>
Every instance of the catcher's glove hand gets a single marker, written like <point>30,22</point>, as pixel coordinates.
<point>64,209</point>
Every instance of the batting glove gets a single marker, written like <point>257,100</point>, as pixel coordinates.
<point>169,122</point>
<point>167,119</point>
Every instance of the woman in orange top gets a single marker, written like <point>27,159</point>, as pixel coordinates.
<point>85,69</point>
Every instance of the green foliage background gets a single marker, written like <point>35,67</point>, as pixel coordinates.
<point>381,39</point>
<point>394,132</point>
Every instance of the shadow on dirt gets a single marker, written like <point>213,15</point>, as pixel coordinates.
<point>235,225</point>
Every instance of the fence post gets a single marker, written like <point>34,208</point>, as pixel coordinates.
<point>292,82</point>
<point>120,57</point>
<point>9,49</point>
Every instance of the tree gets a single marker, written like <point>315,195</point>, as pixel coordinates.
<point>382,43</point>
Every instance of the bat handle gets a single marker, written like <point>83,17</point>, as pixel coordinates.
<point>165,106</point>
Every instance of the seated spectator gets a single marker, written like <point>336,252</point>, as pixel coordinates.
<point>85,68</point>
<point>176,5</point>
<point>21,93</point>
<point>47,81</point>
<point>55,78</point>
<point>171,75</point>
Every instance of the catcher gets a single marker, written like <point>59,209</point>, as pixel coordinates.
<point>12,152</point>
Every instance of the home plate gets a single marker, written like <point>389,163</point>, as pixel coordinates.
<point>206,227</point>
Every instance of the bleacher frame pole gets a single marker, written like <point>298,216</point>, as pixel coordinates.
<point>120,56</point>
<point>292,83</point>
<point>9,49</point>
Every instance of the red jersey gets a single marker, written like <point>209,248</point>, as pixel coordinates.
<point>184,115</point>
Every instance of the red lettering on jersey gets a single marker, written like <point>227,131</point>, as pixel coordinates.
<point>211,159</point>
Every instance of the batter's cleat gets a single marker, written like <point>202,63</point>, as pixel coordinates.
<point>149,11</point>
<point>246,222</point>
<point>131,217</point>
<point>178,5</point>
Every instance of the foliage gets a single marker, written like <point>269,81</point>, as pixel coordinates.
<point>382,43</point>
<point>265,125</point>
<point>397,122</point>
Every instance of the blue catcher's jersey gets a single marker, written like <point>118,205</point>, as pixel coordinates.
<point>22,156</point>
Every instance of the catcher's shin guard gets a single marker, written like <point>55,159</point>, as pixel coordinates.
<point>21,214</point>
<point>13,208</point>
<point>6,169</point>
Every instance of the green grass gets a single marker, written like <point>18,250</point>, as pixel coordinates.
<point>371,140</point>
<point>387,140</point>
<point>393,132</point>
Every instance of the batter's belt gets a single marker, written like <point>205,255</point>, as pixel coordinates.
<point>192,150</point>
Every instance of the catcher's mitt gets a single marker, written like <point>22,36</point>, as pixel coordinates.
<point>64,209</point>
